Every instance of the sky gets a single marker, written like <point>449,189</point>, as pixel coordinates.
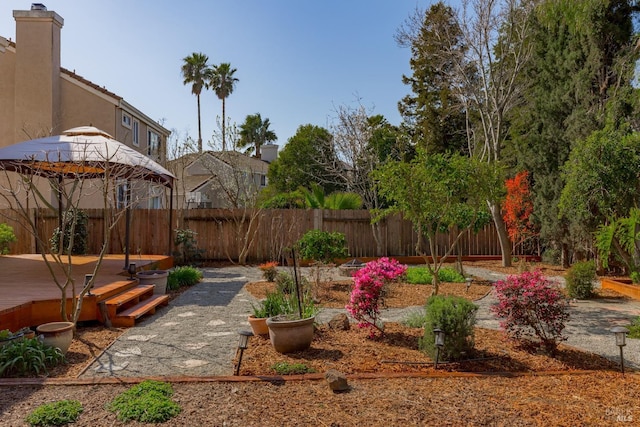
<point>297,61</point>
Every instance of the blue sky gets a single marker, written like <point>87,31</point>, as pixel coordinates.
<point>296,60</point>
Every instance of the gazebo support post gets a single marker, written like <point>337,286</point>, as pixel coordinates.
<point>127,228</point>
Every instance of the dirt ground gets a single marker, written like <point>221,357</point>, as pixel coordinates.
<point>391,381</point>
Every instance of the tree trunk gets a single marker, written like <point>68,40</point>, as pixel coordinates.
<point>503,236</point>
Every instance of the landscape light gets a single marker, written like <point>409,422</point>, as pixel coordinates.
<point>243,344</point>
<point>132,270</point>
<point>439,341</point>
<point>621,337</point>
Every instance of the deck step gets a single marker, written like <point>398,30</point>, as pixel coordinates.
<point>128,317</point>
<point>105,292</point>
<point>129,298</point>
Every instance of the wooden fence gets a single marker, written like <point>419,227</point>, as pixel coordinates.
<point>220,232</point>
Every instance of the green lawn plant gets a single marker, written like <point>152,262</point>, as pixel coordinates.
<point>183,276</point>
<point>455,316</point>
<point>422,275</point>
<point>57,413</point>
<point>28,357</point>
<point>580,279</point>
<point>286,368</point>
<point>147,402</point>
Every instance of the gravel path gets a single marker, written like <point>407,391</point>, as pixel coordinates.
<point>197,334</point>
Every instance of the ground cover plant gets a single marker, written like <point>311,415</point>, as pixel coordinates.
<point>147,402</point>
<point>57,413</point>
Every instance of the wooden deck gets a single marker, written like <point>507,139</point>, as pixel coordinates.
<point>29,296</point>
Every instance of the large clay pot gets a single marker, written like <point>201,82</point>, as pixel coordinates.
<point>288,336</point>
<point>154,277</point>
<point>57,334</point>
<point>258,325</point>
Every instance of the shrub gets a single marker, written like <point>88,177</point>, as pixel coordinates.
<point>78,221</point>
<point>634,328</point>
<point>269,270</point>
<point>422,275</point>
<point>368,291</point>
<point>533,310</point>
<point>183,276</point>
<point>187,252</point>
<point>6,237</point>
<point>27,357</point>
<point>55,414</point>
<point>580,278</point>
<point>286,368</point>
<point>322,246</point>
<point>456,317</point>
<point>635,277</point>
<point>147,402</point>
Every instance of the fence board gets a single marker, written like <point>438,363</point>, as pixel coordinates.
<point>220,232</point>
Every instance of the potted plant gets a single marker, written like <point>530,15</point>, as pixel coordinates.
<point>274,304</point>
<point>293,330</point>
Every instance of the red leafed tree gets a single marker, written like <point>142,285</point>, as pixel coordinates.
<point>517,209</point>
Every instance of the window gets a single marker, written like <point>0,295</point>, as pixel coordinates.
<point>121,194</point>
<point>153,149</point>
<point>126,120</point>
<point>263,180</point>
<point>136,133</point>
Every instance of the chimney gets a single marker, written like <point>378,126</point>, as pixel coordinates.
<point>269,152</point>
<point>37,71</point>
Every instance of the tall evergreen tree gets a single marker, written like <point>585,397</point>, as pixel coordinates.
<point>431,112</point>
<point>579,68</point>
<point>194,70</point>
<point>221,80</point>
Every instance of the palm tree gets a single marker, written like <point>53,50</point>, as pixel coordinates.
<point>254,133</point>
<point>194,71</point>
<point>220,79</point>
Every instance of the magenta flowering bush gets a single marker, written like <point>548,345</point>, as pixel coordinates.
<point>533,310</point>
<point>368,290</point>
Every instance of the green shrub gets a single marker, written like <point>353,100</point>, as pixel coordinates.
<point>455,316</point>
<point>286,368</point>
<point>6,237</point>
<point>27,357</point>
<point>635,277</point>
<point>183,276</point>
<point>634,328</point>
<point>187,252</point>
<point>147,402</point>
<point>422,275</point>
<point>78,221</point>
<point>322,246</point>
<point>580,278</point>
<point>55,414</point>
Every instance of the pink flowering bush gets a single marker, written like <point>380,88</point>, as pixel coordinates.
<point>368,291</point>
<point>533,310</point>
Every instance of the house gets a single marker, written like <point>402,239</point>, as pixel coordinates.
<point>39,98</point>
<point>218,179</point>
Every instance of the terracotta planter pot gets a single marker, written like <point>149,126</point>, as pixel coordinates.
<point>288,336</point>
<point>57,334</point>
<point>258,325</point>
